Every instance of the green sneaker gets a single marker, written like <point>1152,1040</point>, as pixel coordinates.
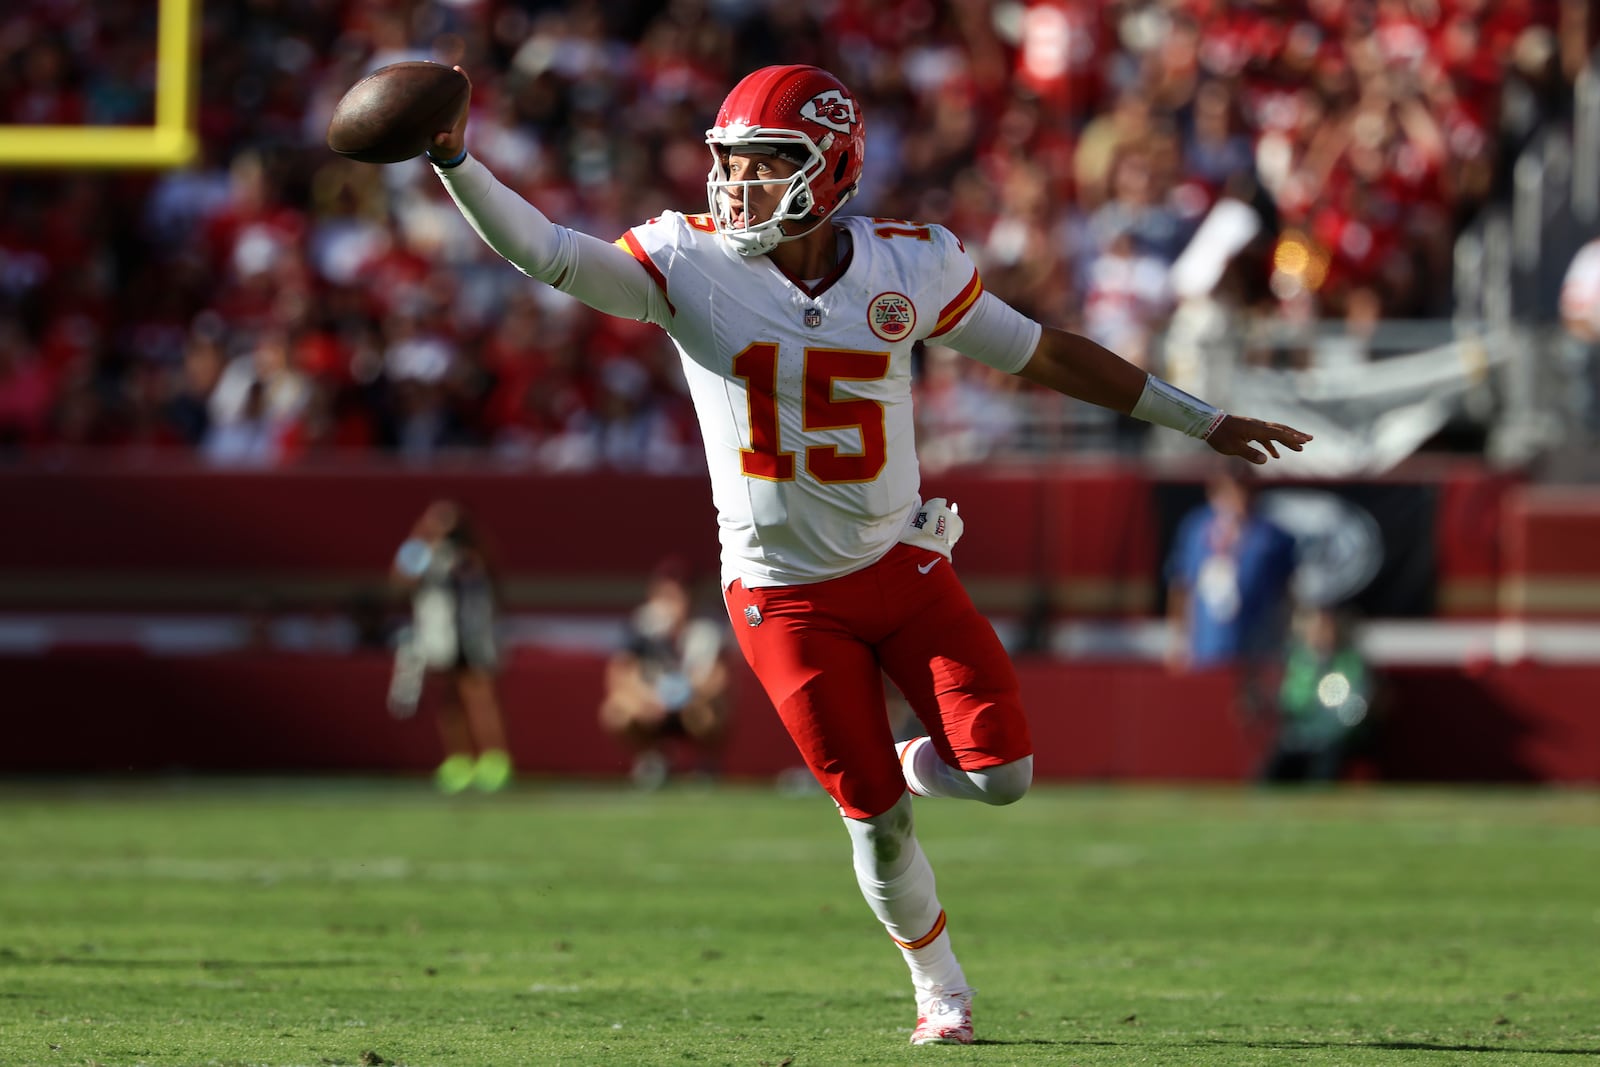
<point>493,772</point>
<point>454,774</point>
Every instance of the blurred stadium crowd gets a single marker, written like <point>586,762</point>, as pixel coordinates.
<point>273,301</point>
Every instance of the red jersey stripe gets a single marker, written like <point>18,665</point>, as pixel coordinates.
<point>631,243</point>
<point>954,310</point>
<point>926,939</point>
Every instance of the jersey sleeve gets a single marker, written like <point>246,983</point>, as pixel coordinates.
<point>657,246</point>
<point>574,262</point>
<point>975,322</point>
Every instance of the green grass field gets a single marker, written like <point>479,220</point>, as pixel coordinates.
<point>363,922</point>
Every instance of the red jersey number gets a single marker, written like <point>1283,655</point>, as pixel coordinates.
<point>820,409</point>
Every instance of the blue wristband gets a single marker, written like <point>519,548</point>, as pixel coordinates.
<point>446,164</point>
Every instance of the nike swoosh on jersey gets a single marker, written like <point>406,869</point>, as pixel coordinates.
<point>928,566</point>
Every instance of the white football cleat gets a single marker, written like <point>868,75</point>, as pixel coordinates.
<point>943,1019</point>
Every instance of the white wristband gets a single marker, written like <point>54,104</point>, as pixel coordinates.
<point>1166,405</point>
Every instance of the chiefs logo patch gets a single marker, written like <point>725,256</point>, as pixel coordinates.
<point>892,316</point>
<point>831,109</point>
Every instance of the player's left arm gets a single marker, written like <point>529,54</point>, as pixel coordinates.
<point>979,324</point>
<point>1072,364</point>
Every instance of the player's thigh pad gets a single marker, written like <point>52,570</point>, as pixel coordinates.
<point>806,650</point>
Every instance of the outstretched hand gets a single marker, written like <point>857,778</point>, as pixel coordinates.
<point>447,144</point>
<point>1238,436</point>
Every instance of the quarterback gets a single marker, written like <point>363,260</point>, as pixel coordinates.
<point>796,327</point>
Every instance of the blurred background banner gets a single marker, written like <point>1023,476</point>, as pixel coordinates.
<point>1369,415</point>
<point>1366,543</point>
<point>235,367</point>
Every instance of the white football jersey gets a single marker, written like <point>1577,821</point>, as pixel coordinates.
<point>803,391</point>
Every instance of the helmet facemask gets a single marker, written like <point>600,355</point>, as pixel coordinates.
<point>797,202</point>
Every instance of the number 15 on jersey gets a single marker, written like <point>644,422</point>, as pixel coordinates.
<point>769,459</point>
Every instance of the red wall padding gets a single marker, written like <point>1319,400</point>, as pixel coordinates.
<point>1552,552</point>
<point>1080,539</point>
<point>342,519</point>
<point>85,710</point>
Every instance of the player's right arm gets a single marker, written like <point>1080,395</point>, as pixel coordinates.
<point>597,272</point>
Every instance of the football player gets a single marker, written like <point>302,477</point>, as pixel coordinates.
<point>796,326</point>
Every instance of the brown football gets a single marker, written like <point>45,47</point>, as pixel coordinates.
<point>393,113</point>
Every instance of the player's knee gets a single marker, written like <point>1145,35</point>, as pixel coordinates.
<point>881,841</point>
<point>1007,783</point>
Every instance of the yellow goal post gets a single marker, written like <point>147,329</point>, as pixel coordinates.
<point>170,142</point>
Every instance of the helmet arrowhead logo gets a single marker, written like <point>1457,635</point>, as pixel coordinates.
<point>831,109</point>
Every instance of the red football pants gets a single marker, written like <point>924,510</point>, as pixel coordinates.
<point>820,651</point>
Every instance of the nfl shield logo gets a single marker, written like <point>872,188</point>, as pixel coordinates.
<point>813,320</point>
<point>752,615</point>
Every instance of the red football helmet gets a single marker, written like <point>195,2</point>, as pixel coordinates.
<point>801,113</point>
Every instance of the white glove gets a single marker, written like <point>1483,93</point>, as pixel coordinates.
<point>935,526</point>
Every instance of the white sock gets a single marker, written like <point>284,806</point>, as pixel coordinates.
<point>897,882</point>
<point>908,751</point>
<point>927,775</point>
<point>934,967</point>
